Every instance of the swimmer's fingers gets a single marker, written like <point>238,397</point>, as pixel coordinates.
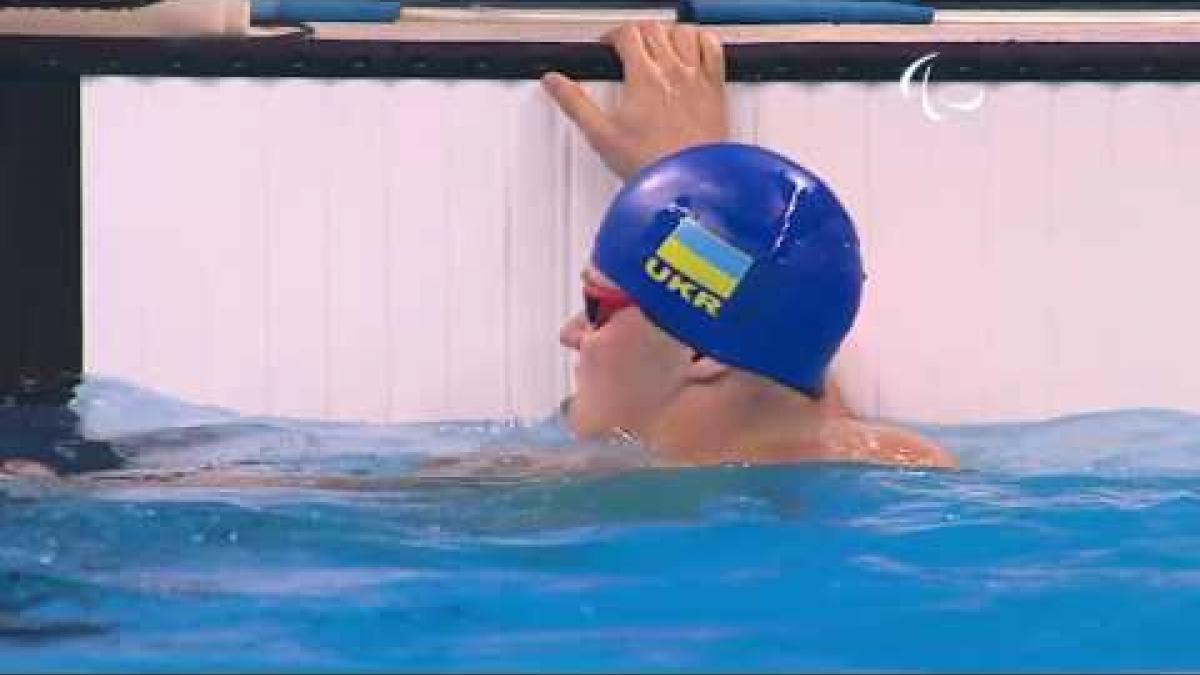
<point>712,56</point>
<point>574,100</point>
<point>686,40</point>
<point>660,47</point>
<point>636,63</point>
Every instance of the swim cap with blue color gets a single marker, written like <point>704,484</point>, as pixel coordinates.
<point>741,254</point>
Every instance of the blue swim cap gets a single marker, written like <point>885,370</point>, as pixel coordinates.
<point>741,254</point>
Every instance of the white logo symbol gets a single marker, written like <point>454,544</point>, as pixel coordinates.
<point>927,102</point>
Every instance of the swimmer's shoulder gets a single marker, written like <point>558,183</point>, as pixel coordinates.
<point>898,446</point>
<point>851,439</point>
<point>858,439</point>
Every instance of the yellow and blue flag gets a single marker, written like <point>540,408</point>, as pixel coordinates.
<point>704,257</point>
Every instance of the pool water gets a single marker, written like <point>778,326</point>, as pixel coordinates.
<point>1065,545</point>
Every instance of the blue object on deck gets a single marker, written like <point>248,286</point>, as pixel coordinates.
<point>804,11</point>
<point>282,11</point>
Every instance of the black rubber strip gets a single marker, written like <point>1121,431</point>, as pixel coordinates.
<point>297,55</point>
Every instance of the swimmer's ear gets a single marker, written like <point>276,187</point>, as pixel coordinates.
<point>706,369</point>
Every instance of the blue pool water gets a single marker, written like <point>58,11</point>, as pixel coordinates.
<point>1066,545</point>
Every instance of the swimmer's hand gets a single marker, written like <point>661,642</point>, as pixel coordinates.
<point>673,96</point>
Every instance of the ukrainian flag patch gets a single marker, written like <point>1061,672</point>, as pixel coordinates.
<point>704,257</point>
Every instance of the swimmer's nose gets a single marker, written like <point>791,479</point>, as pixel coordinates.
<point>571,332</point>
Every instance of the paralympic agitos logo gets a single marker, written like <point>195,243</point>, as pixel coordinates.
<point>931,106</point>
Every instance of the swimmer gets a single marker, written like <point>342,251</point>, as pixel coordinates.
<point>722,280</point>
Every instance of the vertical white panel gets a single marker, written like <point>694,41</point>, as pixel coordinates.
<point>181,221</point>
<point>357,219</point>
<point>420,312</point>
<point>537,299</point>
<point>113,162</point>
<point>1174,259</point>
<point>475,188</point>
<point>296,186</point>
<point>183,225</point>
<point>1018,261</point>
<point>1086,241</point>
<point>782,118</point>
<point>1153,210</point>
<point>950,264</point>
<point>743,111</point>
<point>230,231</point>
<point>901,167</point>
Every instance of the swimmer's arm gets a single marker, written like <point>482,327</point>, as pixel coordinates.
<point>672,97</point>
<point>481,467</point>
<point>26,468</point>
<point>532,463</point>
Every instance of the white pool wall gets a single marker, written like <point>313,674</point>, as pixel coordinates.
<point>392,251</point>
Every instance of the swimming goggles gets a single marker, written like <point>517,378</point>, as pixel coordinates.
<point>601,302</point>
